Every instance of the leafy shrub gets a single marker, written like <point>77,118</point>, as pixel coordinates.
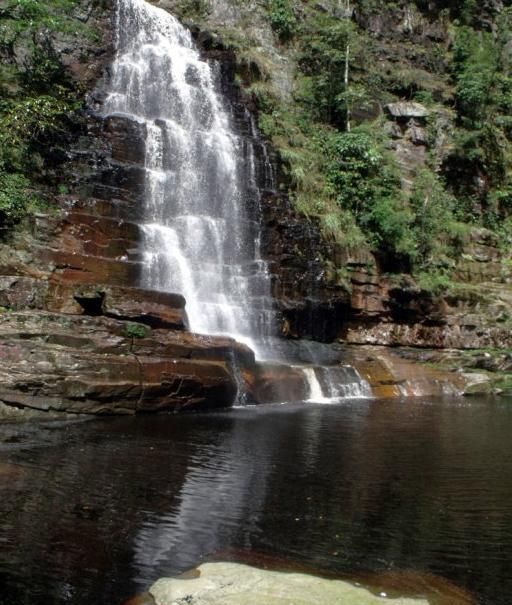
<point>366,183</point>
<point>132,330</point>
<point>36,98</point>
<point>436,282</point>
<point>282,19</point>
<point>388,223</point>
<point>28,121</point>
<point>193,8</point>
<point>475,65</point>
<point>354,167</point>
<point>324,61</point>
<point>16,198</point>
<point>479,165</point>
<point>433,216</point>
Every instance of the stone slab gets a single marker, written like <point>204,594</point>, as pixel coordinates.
<point>236,584</point>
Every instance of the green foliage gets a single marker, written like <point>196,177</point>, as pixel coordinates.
<point>436,232</point>
<point>349,180</point>
<point>53,15</point>
<point>323,62</point>
<point>27,122</point>
<point>16,198</point>
<point>192,8</point>
<point>475,60</point>
<point>36,96</point>
<point>133,330</point>
<point>300,143</point>
<point>437,282</point>
<point>424,97</point>
<point>33,22</point>
<point>341,226</point>
<point>43,73</point>
<point>282,19</point>
<point>388,223</point>
<point>480,163</point>
<point>25,126</point>
<point>366,183</point>
<point>354,169</point>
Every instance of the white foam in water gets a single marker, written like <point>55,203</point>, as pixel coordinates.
<point>329,384</point>
<point>199,240</point>
<point>316,393</point>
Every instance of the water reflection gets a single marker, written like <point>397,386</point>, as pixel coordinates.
<point>220,493</point>
<point>94,512</point>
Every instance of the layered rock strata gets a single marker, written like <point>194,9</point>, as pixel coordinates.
<point>321,289</point>
<point>74,364</point>
<point>77,336</point>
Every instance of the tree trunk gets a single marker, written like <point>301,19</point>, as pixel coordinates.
<point>346,75</point>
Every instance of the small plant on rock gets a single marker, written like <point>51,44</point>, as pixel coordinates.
<point>136,331</point>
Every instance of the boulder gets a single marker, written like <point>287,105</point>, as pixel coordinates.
<point>22,292</point>
<point>406,110</point>
<point>55,378</point>
<point>236,584</point>
<point>476,384</point>
<point>156,309</point>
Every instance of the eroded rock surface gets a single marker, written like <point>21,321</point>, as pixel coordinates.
<point>235,584</point>
<point>100,365</point>
<point>390,375</point>
<point>98,344</point>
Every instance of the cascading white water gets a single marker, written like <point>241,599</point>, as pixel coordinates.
<point>201,221</point>
<point>200,239</point>
<point>334,383</point>
<point>315,388</point>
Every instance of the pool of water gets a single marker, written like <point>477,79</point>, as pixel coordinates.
<point>93,512</point>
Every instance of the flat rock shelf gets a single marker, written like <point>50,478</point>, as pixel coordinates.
<point>235,584</point>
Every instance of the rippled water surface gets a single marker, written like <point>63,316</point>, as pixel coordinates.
<point>92,513</point>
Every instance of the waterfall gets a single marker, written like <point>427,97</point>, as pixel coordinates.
<point>315,390</point>
<point>334,383</point>
<point>201,208</point>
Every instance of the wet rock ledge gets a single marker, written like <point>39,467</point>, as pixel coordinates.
<point>77,338</point>
<point>121,357</point>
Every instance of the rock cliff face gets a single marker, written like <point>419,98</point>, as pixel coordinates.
<point>78,336</point>
<point>79,365</point>
<point>326,291</point>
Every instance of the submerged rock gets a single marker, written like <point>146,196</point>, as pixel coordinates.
<point>477,384</point>
<point>235,584</point>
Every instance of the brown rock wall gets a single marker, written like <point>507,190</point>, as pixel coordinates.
<point>91,365</point>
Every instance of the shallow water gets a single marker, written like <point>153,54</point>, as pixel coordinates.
<point>93,512</point>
